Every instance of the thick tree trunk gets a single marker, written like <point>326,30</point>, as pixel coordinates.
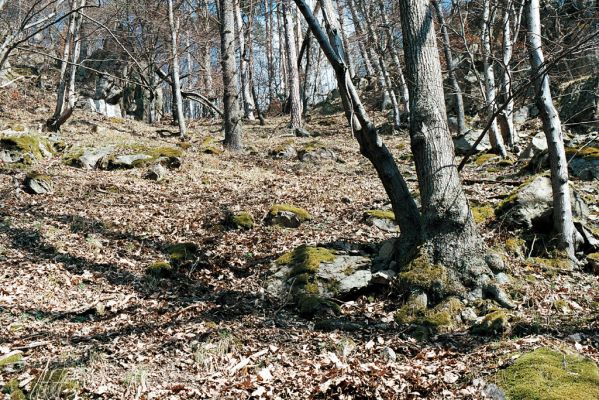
<point>562,212</point>
<point>447,221</point>
<point>71,94</point>
<point>232,120</point>
<point>489,76</point>
<point>246,89</point>
<point>174,25</point>
<point>293,73</point>
<point>451,68</point>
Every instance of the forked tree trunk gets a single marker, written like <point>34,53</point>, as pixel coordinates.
<point>451,68</point>
<point>489,76</point>
<point>295,101</point>
<point>562,209</point>
<point>174,25</point>
<point>232,120</point>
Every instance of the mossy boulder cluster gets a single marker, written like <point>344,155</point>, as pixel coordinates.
<point>549,374</point>
<point>20,148</point>
<point>316,277</point>
<point>124,157</point>
<point>177,255</point>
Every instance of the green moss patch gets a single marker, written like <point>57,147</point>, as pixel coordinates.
<point>547,374</point>
<point>241,220</point>
<point>494,323</point>
<point>306,259</point>
<point>211,145</point>
<point>585,152</point>
<point>515,246</point>
<point>11,359</point>
<point>483,213</point>
<point>430,278</point>
<point>484,158</point>
<point>381,214</point>
<point>551,265</point>
<point>301,213</point>
<point>181,252</point>
<point>310,305</point>
<point>160,269</point>
<point>32,147</point>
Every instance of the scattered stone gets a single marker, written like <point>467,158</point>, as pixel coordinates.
<point>550,374</point>
<point>38,184</point>
<point>302,133</point>
<point>383,277</point>
<point>157,172</point>
<point>531,205</point>
<point>314,152</point>
<point>495,262</point>
<point>468,315</point>
<point>385,255</point>
<point>382,219</point>
<point>285,150</point>
<point>537,145</point>
<point>90,158</point>
<point>463,143</point>
<point>287,216</point>
<point>128,161</point>
<point>389,354</point>
<point>579,102</point>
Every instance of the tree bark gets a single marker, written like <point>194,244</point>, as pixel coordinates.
<point>174,25</point>
<point>293,73</point>
<point>562,211</point>
<point>370,71</point>
<point>489,76</point>
<point>451,68</point>
<point>246,89</point>
<point>232,120</point>
<point>447,222</point>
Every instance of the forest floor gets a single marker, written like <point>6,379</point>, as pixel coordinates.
<point>77,301</point>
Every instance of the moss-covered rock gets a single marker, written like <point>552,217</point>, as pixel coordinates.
<point>287,216</point>
<point>284,150</point>
<point>16,357</point>
<point>25,149</point>
<point>211,145</point>
<point>382,214</point>
<point>484,158</point>
<point>494,323</point>
<point>305,259</point>
<point>547,374</point>
<point>182,252</point>
<point>36,183</point>
<point>550,265</point>
<point>160,269</point>
<point>593,262</point>
<point>413,310</point>
<point>241,220</point>
<point>310,305</point>
<point>443,316</point>
<point>515,246</point>
<point>432,279</point>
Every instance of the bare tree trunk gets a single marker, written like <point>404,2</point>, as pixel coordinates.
<point>348,59</point>
<point>360,32</point>
<point>174,25</point>
<point>269,51</point>
<point>451,67</point>
<point>66,57</point>
<point>232,120</point>
<point>71,94</point>
<point>248,101</point>
<point>401,81</point>
<point>506,117</point>
<point>489,75</point>
<point>562,211</point>
<point>207,75</point>
<point>293,73</point>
